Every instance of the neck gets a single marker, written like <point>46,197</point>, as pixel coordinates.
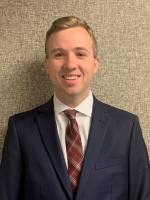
<point>72,101</point>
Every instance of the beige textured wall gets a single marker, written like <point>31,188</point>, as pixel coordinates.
<point>122,29</point>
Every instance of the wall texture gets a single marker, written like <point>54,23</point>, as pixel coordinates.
<point>122,29</point>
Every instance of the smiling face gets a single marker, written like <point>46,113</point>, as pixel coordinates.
<point>71,63</point>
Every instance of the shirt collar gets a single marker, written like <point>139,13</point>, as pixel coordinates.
<point>82,108</point>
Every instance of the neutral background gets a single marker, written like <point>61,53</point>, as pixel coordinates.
<point>122,29</point>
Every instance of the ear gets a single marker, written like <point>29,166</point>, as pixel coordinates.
<point>96,64</point>
<point>47,65</point>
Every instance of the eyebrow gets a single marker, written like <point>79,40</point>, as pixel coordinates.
<point>82,48</point>
<point>61,49</point>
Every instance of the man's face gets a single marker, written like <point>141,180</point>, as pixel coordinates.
<point>71,63</point>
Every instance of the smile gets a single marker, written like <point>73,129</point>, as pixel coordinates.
<point>70,77</point>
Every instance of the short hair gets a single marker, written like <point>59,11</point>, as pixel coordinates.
<point>69,22</point>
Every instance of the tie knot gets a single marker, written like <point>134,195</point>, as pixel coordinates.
<point>71,114</point>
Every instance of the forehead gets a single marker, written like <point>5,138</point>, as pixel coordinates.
<point>70,37</point>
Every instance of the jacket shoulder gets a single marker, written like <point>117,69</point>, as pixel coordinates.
<point>114,111</point>
<point>31,114</point>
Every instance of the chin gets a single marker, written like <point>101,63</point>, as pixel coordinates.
<point>72,93</point>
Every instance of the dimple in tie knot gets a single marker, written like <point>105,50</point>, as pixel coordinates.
<point>71,114</point>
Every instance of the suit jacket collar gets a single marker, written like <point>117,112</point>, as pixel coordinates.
<point>48,129</point>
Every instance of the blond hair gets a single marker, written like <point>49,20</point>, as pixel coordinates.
<point>69,22</point>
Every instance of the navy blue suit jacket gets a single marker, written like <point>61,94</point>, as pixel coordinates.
<point>116,164</point>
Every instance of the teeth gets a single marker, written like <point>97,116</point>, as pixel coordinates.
<point>70,77</point>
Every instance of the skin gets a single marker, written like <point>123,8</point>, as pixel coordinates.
<point>71,55</point>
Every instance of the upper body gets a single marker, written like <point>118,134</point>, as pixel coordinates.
<point>115,165</point>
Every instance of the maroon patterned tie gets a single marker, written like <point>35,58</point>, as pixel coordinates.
<point>74,149</point>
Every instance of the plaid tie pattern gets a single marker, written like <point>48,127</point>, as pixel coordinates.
<point>74,149</point>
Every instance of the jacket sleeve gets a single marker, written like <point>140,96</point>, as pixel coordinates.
<point>11,166</point>
<point>139,169</point>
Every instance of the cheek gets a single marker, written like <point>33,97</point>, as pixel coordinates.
<point>54,74</point>
<point>56,66</point>
<point>52,69</point>
<point>89,70</point>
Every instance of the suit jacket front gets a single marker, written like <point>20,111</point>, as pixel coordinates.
<point>116,164</point>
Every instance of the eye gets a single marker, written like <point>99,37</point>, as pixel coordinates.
<point>59,55</point>
<point>81,54</point>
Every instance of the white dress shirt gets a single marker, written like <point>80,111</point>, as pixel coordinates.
<point>83,117</point>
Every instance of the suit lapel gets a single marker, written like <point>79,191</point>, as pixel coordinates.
<point>99,125</point>
<point>47,125</point>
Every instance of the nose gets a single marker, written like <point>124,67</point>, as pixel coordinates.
<point>70,61</point>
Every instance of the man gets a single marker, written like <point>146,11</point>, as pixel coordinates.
<point>74,146</point>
